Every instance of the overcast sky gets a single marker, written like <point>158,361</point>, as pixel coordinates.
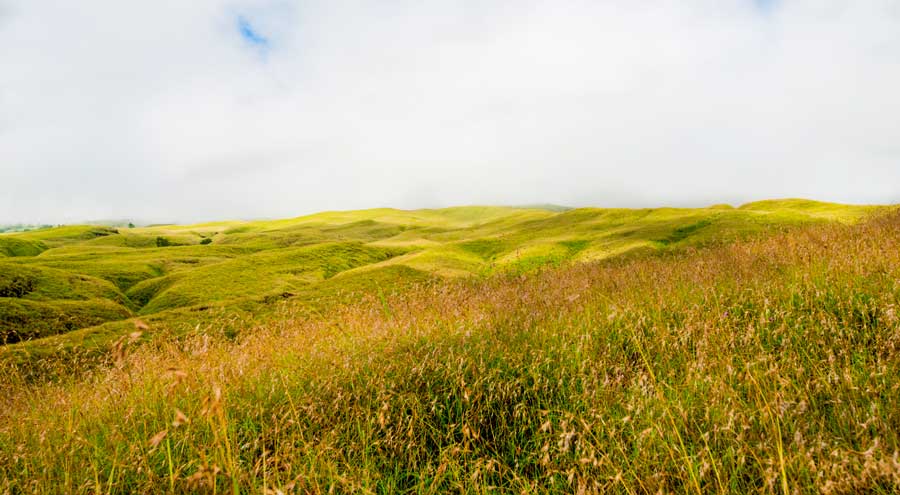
<point>207,109</point>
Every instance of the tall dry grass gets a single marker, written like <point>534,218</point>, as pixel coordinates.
<point>767,366</point>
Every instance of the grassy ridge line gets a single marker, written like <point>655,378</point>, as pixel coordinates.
<point>11,246</point>
<point>48,284</point>
<point>26,320</point>
<point>57,236</point>
<point>264,273</point>
<point>754,367</point>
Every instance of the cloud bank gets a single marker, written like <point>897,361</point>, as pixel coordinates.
<point>213,109</point>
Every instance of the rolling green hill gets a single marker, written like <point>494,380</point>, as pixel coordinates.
<point>78,286</point>
<point>446,352</point>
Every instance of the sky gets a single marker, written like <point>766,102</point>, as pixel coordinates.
<point>209,109</point>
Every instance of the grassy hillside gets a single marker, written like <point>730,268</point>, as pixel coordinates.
<point>12,246</point>
<point>161,272</point>
<point>769,364</point>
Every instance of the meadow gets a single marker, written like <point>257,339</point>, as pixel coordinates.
<point>75,289</point>
<point>519,350</point>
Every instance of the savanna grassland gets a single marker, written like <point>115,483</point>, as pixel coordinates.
<point>520,350</point>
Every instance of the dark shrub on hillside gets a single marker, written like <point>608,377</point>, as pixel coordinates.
<point>17,287</point>
<point>206,241</point>
<point>163,242</point>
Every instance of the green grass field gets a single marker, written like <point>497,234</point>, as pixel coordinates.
<point>88,276</point>
<point>473,349</point>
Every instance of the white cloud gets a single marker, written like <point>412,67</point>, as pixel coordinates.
<point>163,111</point>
